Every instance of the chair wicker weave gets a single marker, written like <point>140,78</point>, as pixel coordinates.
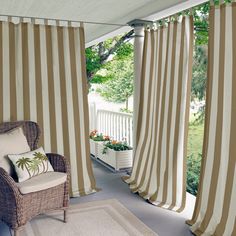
<point>17,209</point>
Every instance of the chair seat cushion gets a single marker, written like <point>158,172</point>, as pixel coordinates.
<point>42,182</point>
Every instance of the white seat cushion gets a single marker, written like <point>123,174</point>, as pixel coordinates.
<point>42,182</point>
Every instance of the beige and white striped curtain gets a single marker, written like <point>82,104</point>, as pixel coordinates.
<point>159,171</point>
<point>42,78</point>
<point>215,210</point>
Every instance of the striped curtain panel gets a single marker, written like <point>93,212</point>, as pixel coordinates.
<point>159,171</point>
<point>215,210</point>
<point>42,78</point>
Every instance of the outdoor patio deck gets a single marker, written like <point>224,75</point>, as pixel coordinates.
<point>164,222</point>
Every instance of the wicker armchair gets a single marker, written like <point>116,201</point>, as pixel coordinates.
<point>17,209</point>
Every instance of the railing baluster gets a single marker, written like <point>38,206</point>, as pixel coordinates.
<point>102,122</point>
<point>121,128</point>
<point>109,123</point>
<point>126,129</point>
<point>115,124</point>
<point>105,123</point>
<point>130,132</point>
<point>132,128</point>
<point>117,127</point>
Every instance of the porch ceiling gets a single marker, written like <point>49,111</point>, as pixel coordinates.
<point>107,11</point>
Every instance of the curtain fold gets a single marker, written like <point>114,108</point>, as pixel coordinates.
<point>42,78</point>
<point>215,210</point>
<point>159,171</point>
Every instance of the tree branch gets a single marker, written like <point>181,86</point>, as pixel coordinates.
<point>105,56</point>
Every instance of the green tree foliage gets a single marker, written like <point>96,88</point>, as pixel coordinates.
<point>201,23</point>
<point>120,87</point>
<point>193,173</point>
<point>99,55</point>
<point>199,72</point>
<point>201,26</point>
<point>92,60</point>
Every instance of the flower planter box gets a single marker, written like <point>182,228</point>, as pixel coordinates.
<point>116,159</point>
<point>94,147</point>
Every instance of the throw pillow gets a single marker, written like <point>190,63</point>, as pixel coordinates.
<point>12,142</point>
<point>30,164</point>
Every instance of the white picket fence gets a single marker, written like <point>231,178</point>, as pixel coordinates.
<point>117,125</point>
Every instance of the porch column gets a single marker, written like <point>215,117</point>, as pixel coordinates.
<point>138,26</point>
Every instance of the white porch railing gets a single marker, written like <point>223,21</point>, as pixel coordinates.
<point>92,116</point>
<point>117,125</point>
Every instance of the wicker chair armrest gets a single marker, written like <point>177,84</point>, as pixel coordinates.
<point>10,197</point>
<point>8,184</point>
<point>59,163</point>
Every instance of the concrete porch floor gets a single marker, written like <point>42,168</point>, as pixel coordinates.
<point>163,222</point>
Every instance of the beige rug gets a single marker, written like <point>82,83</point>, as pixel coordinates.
<point>100,218</point>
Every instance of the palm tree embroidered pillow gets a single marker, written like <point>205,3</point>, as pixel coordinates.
<point>30,164</point>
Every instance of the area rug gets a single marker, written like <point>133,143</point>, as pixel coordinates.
<point>100,218</point>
